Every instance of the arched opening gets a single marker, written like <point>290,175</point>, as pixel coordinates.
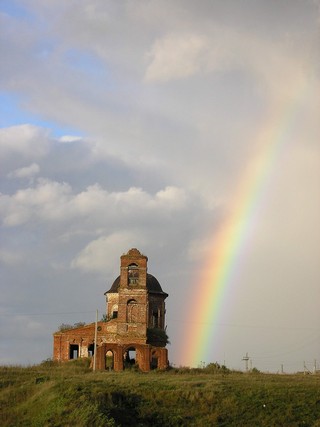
<point>74,351</point>
<point>133,274</point>
<point>155,317</point>
<point>132,311</point>
<point>109,360</point>
<point>154,362</point>
<point>130,358</point>
<point>90,350</point>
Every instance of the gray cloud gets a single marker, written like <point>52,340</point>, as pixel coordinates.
<point>26,172</point>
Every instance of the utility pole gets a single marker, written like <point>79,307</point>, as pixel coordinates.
<point>246,359</point>
<point>95,342</point>
<point>305,369</point>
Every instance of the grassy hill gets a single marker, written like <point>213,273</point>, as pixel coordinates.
<point>72,395</point>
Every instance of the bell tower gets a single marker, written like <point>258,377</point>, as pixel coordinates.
<point>134,323</point>
<point>133,296</point>
<point>133,270</point>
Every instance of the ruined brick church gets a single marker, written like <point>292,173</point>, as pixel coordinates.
<point>132,331</point>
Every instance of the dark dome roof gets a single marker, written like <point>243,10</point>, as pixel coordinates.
<point>153,285</point>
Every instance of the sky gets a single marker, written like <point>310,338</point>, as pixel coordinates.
<point>152,124</point>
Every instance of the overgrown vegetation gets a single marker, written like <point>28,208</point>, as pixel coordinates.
<point>66,326</point>
<point>157,336</point>
<point>70,394</point>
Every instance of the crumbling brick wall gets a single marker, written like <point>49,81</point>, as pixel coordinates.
<point>135,303</point>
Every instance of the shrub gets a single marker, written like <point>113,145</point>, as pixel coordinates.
<point>157,336</point>
<point>66,326</point>
<point>214,368</point>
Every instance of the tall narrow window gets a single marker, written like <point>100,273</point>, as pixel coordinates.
<point>155,319</point>
<point>133,274</point>
<point>114,314</point>
<point>74,351</point>
<point>132,311</point>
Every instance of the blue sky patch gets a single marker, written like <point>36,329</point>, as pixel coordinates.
<point>11,114</point>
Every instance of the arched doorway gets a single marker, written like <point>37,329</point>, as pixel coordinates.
<point>109,360</point>
<point>130,358</point>
<point>154,360</point>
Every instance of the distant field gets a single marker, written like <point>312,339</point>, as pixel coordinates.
<point>72,395</point>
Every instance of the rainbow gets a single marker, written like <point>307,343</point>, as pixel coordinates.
<point>231,241</point>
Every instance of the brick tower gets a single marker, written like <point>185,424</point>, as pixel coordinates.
<point>133,331</point>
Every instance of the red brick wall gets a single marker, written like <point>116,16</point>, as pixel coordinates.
<point>129,329</point>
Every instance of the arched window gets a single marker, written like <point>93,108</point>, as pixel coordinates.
<point>132,311</point>
<point>154,316</point>
<point>133,274</point>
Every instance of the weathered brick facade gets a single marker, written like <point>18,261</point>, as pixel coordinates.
<point>135,323</point>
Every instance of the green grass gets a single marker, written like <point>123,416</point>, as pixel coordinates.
<point>71,394</point>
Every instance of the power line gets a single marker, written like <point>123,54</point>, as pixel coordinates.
<point>46,314</point>
<point>236,325</point>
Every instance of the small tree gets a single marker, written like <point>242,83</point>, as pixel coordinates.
<point>66,326</point>
<point>157,336</point>
<point>79,325</point>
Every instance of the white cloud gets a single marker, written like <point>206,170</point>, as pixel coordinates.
<point>273,67</point>
<point>46,201</point>
<point>176,56</point>
<point>25,172</point>
<point>102,254</point>
<point>26,140</point>
<point>69,138</point>
<point>55,202</point>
